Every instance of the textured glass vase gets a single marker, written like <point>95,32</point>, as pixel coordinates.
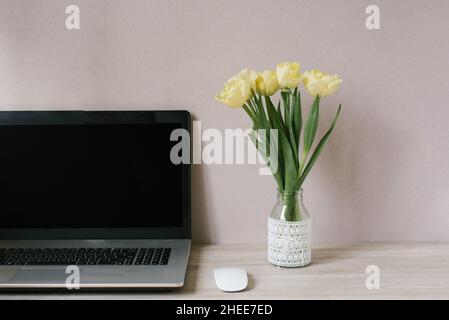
<point>289,231</point>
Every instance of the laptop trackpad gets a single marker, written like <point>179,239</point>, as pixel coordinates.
<point>41,275</point>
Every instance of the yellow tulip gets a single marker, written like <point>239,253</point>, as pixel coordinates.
<point>321,83</point>
<point>267,83</point>
<point>288,74</point>
<point>252,77</point>
<point>236,91</point>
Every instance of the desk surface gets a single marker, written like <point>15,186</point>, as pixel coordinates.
<point>407,270</point>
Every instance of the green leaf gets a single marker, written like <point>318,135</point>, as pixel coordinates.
<point>254,95</point>
<point>286,103</point>
<point>318,149</point>
<point>290,129</point>
<point>265,123</point>
<point>249,112</point>
<point>290,171</point>
<point>280,119</point>
<point>276,121</point>
<point>293,96</point>
<point>278,174</point>
<point>279,112</point>
<point>269,120</point>
<point>272,115</point>
<point>297,116</point>
<point>310,129</point>
<point>263,115</point>
<point>312,124</point>
<point>257,114</point>
<point>249,103</point>
<point>271,111</point>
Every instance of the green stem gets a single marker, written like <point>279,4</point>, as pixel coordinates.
<point>302,162</point>
<point>291,210</point>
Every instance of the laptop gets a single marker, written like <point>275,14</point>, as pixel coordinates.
<point>93,200</point>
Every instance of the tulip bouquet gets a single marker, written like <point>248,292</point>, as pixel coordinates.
<point>253,91</point>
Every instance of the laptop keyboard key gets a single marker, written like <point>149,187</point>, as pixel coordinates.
<point>84,256</point>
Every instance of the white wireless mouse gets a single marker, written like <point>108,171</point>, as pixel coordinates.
<point>231,279</point>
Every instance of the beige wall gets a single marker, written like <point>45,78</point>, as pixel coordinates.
<point>384,174</point>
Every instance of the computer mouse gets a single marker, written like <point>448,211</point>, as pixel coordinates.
<point>231,279</point>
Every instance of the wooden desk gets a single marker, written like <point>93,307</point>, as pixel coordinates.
<point>407,271</point>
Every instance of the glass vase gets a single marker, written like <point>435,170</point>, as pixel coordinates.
<point>289,231</point>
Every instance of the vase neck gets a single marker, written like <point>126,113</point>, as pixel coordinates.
<point>285,195</point>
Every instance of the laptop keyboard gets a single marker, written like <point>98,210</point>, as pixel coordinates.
<point>84,256</point>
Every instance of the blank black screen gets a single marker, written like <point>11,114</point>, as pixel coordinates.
<point>89,176</point>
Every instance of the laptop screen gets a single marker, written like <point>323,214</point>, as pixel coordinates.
<point>89,176</point>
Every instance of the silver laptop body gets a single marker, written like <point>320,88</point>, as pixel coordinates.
<point>92,200</point>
